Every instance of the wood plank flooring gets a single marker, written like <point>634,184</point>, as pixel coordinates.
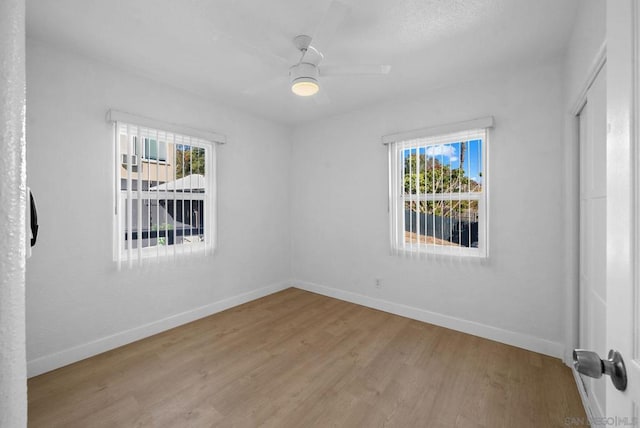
<point>298,359</point>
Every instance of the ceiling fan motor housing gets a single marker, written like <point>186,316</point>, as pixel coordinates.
<point>303,72</point>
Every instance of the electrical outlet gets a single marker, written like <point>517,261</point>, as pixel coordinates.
<point>378,283</point>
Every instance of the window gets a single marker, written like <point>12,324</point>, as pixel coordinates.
<point>438,192</point>
<point>164,204</point>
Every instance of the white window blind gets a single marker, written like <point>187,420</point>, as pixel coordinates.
<point>438,193</point>
<point>164,195</point>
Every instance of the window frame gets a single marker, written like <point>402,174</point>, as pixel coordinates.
<point>122,253</point>
<point>424,138</point>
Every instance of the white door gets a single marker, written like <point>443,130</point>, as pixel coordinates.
<point>610,222</point>
<point>623,197</point>
<point>593,215</point>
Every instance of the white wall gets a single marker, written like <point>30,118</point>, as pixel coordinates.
<point>340,223</point>
<point>13,379</point>
<point>587,40</point>
<point>78,304</point>
<point>588,36</point>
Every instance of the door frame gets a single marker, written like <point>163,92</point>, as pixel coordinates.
<point>572,212</point>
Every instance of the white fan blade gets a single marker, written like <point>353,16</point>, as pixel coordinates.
<point>263,52</point>
<point>265,85</point>
<point>321,97</point>
<point>260,49</point>
<point>354,70</point>
<point>324,33</point>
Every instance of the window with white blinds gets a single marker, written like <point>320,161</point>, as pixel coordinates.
<point>164,194</point>
<point>438,192</point>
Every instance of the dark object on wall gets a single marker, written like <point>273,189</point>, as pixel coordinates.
<point>34,219</point>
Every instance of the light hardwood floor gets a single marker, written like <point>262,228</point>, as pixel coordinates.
<point>298,359</point>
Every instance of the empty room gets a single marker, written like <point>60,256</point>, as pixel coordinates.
<point>322,213</point>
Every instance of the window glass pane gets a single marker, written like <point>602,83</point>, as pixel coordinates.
<point>166,222</point>
<point>442,223</point>
<point>162,151</point>
<point>443,168</point>
<point>128,161</point>
<point>132,230</point>
<point>150,149</point>
<point>189,220</point>
<point>189,160</point>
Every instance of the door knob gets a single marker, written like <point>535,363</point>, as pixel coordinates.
<point>589,364</point>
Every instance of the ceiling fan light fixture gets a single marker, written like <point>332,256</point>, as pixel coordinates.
<point>305,86</point>
<point>304,79</point>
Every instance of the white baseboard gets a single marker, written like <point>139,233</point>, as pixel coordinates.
<point>62,358</point>
<point>520,340</point>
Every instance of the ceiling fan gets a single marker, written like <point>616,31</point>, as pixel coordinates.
<point>304,77</point>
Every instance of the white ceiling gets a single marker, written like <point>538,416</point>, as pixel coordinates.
<point>219,48</point>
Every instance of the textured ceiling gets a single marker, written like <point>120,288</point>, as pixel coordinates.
<point>220,48</point>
